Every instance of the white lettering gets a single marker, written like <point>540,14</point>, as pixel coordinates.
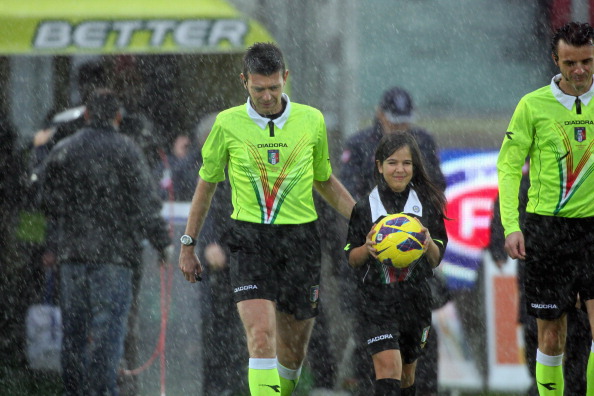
<point>91,34</point>
<point>159,29</point>
<point>380,338</point>
<point>470,210</point>
<point>192,33</point>
<point>125,31</point>
<point>52,35</point>
<point>227,30</point>
<point>244,288</point>
<point>544,306</point>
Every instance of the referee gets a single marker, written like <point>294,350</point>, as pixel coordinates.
<point>553,126</point>
<point>275,152</point>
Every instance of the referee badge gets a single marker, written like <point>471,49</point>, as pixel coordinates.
<point>273,157</point>
<point>580,134</point>
<point>314,295</point>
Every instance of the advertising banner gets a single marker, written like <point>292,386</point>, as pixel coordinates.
<point>492,356</point>
<point>471,177</point>
<point>59,27</point>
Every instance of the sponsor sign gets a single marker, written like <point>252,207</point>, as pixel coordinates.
<point>471,177</point>
<point>135,26</point>
<point>94,34</point>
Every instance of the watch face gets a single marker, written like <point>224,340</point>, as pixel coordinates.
<point>187,240</point>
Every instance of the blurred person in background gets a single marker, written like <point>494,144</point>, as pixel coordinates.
<point>550,126</point>
<point>395,112</point>
<point>178,170</point>
<point>97,194</point>
<point>13,180</point>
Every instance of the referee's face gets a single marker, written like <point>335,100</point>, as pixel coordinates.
<point>266,91</point>
<point>397,169</point>
<point>575,65</point>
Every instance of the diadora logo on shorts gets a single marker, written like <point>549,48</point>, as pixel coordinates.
<point>245,288</point>
<point>380,338</point>
<point>543,306</point>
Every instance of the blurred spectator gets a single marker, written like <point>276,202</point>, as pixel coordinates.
<point>122,74</point>
<point>179,170</point>
<point>97,193</point>
<point>395,112</point>
<point>12,197</point>
<point>60,124</point>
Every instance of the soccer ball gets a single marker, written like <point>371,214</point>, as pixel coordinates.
<point>399,240</point>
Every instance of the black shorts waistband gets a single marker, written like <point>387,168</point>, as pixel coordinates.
<point>261,227</point>
<point>553,221</point>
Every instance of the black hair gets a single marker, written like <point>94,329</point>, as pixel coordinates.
<point>573,33</point>
<point>420,179</point>
<point>263,58</point>
<point>91,76</point>
<point>102,107</point>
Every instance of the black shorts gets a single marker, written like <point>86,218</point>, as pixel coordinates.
<point>559,263</point>
<point>396,316</point>
<point>280,263</point>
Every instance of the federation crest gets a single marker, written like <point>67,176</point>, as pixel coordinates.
<point>273,157</point>
<point>314,295</point>
<point>580,134</point>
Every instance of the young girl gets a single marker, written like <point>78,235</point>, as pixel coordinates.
<point>396,316</point>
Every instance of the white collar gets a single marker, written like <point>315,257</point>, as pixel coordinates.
<point>413,205</point>
<point>569,100</point>
<point>263,121</point>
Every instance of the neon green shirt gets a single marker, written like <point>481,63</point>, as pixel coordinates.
<point>271,176</point>
<point>548,126</point>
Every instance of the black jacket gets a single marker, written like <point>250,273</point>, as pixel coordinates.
<point>98,194</point>
<point>361,222</point>
<point>358,159</point>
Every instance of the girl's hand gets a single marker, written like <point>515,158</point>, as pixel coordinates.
<point>370,244</point>
<point>428,239</point>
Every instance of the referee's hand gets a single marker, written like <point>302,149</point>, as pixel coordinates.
<point>514,245</point>
<point>189,264</point>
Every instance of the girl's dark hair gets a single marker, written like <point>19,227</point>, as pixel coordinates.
<point>573,33</point>
<point>420,179</point>
<point>263,58</point>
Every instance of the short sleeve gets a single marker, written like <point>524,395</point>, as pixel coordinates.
<point>215,155</point>
<point>321,157</point>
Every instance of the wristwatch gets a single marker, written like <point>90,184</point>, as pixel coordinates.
<point>187,240</point>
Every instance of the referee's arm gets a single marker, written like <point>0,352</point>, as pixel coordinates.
<point>336,195</point>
